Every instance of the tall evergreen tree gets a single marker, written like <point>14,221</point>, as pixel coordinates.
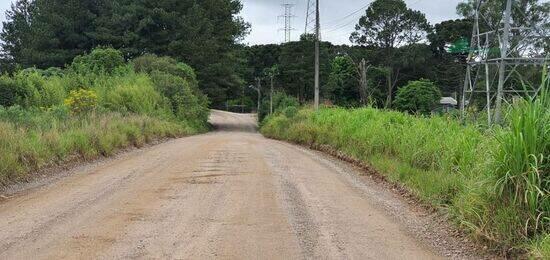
<point>50,33</point>
<point>204,34</point>
<point>15,35</point>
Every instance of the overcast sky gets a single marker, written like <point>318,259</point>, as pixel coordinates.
<point>336,21</point>
<point>263,16</point>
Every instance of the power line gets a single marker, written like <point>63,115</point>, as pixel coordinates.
<point>341,27</point>
<point>349,15</point>
<point>337,23</point>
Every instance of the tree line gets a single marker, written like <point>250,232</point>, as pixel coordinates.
<point>392,45</point>
<point>204,34</point>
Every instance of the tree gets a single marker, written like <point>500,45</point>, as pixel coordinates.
<point>204,34</point>
<point>59,31</point>
<point>450,42</point>
<point>420,96</point>
<point>296,63</point>
<point>524,12</point>
<point>388,24</point>
<point>452,36</point>
<point>15,35</point>
<point>342,87</point>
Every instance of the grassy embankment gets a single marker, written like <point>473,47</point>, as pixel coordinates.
<point>95,107</point>
<point>494,182</point>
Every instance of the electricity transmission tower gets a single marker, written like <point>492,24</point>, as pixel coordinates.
<point>502,50</point>
<point>310,17</point>
<point>287,16</point>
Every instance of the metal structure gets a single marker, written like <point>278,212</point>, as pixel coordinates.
<point>287,16</point>
<point>311,17</point>
<point>499,51</point>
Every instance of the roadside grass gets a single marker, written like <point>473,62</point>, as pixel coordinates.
<point>53,140</point>
<point>493,182</point>
<point>95,107</point>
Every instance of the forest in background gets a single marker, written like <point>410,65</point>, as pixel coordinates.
<point>86,78</point>
<point>396,42</point>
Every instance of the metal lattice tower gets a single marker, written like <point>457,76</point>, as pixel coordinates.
<point>311,19</point>
<point>501,49</point>
<point>287,16</point>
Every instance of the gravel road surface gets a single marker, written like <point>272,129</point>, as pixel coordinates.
<point>229,194</point>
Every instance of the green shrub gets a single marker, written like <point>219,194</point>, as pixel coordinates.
<point>280,102</point>
<point>53,72</point>
<point>30,88</point>
<point>177,82</point>
<point>418,97</point>
<point>81,101</point>
<point>133,98</point>
<point>99,61</point>
<point>184,103</point>
<point>150,63</point>
<point>45,119</point>
<point>290,111</point>
<point>8,91</point>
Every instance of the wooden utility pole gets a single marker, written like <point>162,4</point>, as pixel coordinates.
<point>317,39</point>
<point>363,82</point>
<point>259,89</point>
<point>271,95</point>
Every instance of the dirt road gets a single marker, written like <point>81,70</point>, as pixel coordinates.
<point>230,194</point>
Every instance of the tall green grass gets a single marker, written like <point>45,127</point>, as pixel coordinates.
<point>493,182</point>
<point>121,106</point>
<point>523,162</point>
<point>33,140</point>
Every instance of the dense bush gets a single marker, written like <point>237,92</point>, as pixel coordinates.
<point>420,96</point>
<point>81,101</point>
<point>280,102</point>
<point>177,82</point>
<point>99,61</point>
<point>493,182</point>
<point>9,91</point>
<point>95,107</point>
<point>150,63</point>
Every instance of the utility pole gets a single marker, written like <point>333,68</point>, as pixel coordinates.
<point>271,95</point>
<point>258,89</point>
<point>259,86</point>
<point>363,82</point>
<point>317,38</point>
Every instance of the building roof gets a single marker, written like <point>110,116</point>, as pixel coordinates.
<point>448,101</point>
